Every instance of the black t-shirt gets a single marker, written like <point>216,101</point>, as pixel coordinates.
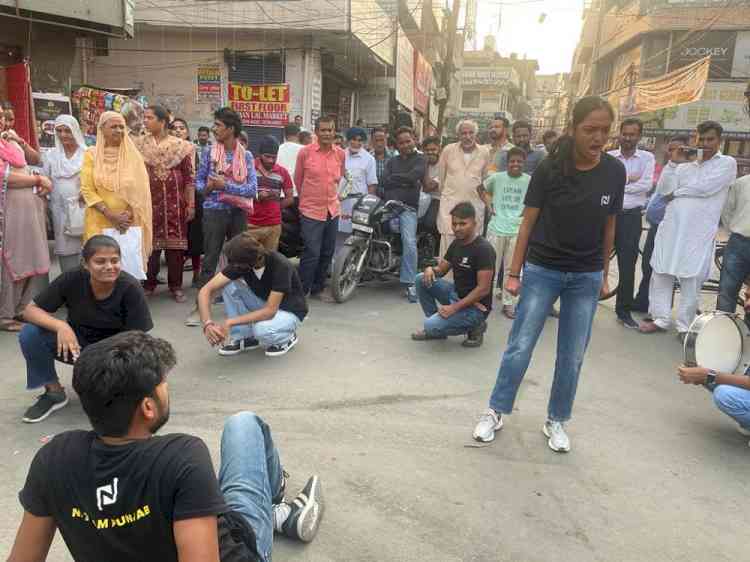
<point>569,233</point>
<point>94,320</point>
<point>280,276</point>
<point>118,503</point>
<point>466,261</point>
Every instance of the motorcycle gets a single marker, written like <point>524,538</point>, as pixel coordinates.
<point>374,248</point>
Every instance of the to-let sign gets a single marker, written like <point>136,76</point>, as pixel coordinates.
<point>260,105</point>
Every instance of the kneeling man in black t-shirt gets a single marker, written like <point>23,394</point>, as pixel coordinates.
<point>462,308</point>
<point>120,493</point>
<point>263,299</point>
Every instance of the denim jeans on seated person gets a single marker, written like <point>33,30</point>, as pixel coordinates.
<point>239,299</point>
<point>444,292</point>
<point>734,402</point>
<point>39,348</point>
<point>540,288</point>
<point>250,475</point>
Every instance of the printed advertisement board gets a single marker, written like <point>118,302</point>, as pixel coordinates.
<point>260,105</point>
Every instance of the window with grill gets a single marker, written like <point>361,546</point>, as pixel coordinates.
<point>470,98</point>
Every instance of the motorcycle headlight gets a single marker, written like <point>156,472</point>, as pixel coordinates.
<point>361,217</point>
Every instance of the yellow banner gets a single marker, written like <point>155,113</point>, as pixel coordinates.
<point>684,85</point>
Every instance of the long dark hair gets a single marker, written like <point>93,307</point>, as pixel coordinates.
<point>563,153</point>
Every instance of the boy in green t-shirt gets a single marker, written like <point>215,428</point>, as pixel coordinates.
<point>503,194</point>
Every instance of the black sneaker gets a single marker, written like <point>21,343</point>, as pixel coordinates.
<point>45,405</point>
<point>475,337</point>
<point>307,512</point>
<point>627,321</point>
<point>283,349</point>
<point>238,346</point>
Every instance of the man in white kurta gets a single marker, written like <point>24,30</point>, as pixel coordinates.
<point>462,169</point>
<point>684,244</point>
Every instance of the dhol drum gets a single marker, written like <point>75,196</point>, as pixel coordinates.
<point>715,340</point>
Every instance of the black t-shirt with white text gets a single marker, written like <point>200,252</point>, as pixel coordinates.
<point>94,320</point>
<point>279,275</point>
<point>569,233</point>
<point>466,261</point>
<point>118,502</point>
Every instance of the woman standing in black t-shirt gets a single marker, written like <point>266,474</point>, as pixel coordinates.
<point>101,299</point>
<point>568,230</point>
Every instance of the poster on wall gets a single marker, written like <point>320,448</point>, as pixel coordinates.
<point>405,71</point>
<point>422,83</point>
<point>47,107</point>
<point>260,105</point>
<point>208,84</point>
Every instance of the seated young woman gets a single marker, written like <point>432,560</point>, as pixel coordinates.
<point>101,301</point>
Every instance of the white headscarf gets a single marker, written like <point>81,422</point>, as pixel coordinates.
<point>60,165</point>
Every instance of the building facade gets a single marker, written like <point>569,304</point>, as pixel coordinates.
<point>626,41</point>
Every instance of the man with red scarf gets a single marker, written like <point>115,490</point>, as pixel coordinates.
<point>226,178</point>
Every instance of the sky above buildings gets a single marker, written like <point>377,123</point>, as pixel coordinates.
<point>551,42</point>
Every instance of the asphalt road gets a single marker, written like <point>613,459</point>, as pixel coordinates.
<point>655,473</point>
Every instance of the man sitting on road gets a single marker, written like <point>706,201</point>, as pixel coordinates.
<point>263,299</point>
<point>451,310</point>
<point>731,392</point>
<point>120,492</point>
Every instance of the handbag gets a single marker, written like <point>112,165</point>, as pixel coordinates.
<point>74,215</point>
<point>131,249</point>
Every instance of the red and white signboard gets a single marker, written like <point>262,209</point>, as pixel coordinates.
<point>260,105</point>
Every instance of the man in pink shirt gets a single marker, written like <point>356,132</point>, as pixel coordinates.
<point>319,168</point>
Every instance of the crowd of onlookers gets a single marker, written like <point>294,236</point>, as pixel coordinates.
<point>532,225</point>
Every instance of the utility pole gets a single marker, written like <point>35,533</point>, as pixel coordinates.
<point>448,69</point>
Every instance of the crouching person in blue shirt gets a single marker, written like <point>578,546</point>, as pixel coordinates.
<point>263,300</point>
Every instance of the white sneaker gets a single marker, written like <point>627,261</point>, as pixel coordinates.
<point>558,440</point>
<point>489,423</point>
<point>743,431</point>
<point>194,318</point>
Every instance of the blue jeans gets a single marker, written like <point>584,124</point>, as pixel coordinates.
<point>320,244</point>
<point>540,288</point>
<point>239,299</point>
<point>408,227</point>
<point>39,348</point>
<point>444,292</point>
<point>250,475</point>
<point>734,402</point>
<point>735,269</point>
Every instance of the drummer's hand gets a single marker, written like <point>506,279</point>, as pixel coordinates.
<point>692,375</point>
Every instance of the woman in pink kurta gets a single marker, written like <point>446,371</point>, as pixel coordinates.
<point>169,162</point>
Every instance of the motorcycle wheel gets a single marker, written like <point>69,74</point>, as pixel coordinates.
<point>345,274</point>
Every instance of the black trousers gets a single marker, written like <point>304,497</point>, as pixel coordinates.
<point>641,299</point>
<point>627,238</point>
<point>219,225</point>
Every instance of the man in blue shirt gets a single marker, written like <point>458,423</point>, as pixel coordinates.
<point>226,169</point>
<point>522,139</point>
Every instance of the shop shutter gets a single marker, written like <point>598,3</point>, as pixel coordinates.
<point>267,68</point>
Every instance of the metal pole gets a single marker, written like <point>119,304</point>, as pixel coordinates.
<point>448,65</point>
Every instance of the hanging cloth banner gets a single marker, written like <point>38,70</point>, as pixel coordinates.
<point>684,85</point>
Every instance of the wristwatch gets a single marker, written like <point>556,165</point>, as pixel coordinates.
<point>711,377</point>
